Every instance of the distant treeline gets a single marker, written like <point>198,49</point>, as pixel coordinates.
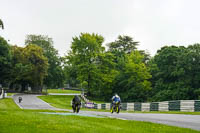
<point>172,74</point>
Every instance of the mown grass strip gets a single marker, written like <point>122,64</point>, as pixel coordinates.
<point>63,91</point>
<point>63,102</point>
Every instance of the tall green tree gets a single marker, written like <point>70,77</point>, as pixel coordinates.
<point>125,45</point>
<point>1,24</point>
<point>71,70</point>
<point>175,73</point>
<point>107,74</point>
<point>193,70</point>
<point>55,77</point>
<point>133,81</point>
<point>29,67</point>
<point>166,73</point>
<point>20,68</point>
<point>38,63</point>
<point>84,55</point>
<point>5,60</point>
<point>123,49</point>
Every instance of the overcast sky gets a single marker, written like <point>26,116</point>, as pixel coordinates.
<point>154,23</point>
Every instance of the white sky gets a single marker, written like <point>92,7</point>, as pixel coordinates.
<point>154,23</point>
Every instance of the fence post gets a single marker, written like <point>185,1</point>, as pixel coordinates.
<point>187,105</point>
<point>145,106</point>
<point>130,106</point>
<point>107,106</point>
<point>163,106</point>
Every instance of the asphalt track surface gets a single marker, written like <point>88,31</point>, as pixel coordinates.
<point>179,120</point>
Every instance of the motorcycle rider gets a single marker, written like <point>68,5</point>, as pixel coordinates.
<point>116,99</point>
<point>76,102</point>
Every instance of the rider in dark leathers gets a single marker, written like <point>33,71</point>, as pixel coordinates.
<point>76,103</point>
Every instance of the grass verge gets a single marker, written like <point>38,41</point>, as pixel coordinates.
<point>62,91</point>
<point>63,102</point>
<point>10,94</point>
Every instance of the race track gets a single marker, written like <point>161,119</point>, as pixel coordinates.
<point>180,120</point>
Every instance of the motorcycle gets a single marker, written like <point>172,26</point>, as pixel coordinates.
<point>20,99</point>
<point>115,107</point>
<point>76,107</point>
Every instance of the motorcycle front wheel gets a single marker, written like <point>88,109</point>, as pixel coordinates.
<point>111,109</point>
<point>118,109</point>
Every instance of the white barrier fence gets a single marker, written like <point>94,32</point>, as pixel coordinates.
<point>177,105</point>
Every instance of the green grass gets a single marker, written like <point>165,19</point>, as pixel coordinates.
<point>98,102</point>
<point>72,92</point>
<point>63,102</point>
<point>7,104</point>
<point>15,120</point>
<point>62,91</point>
<point>10,94</point>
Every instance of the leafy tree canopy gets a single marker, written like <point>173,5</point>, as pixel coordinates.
<point>5,60</point>
<point>85,51</point>
<point>123,44</point>
<point>132,83</point>
<point>175,72</point>
<point>55,77</point>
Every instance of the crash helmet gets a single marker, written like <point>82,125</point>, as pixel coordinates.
<point>116,95</point>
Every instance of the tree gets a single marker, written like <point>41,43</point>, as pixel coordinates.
<point>119,48</point>
<point>107,74</point>
<point>132,82</point>
<point>167,77</point>
<point>146,55</point>
<point>175,73</point>
<point>29,67</point>
<point>123,49</point>
<point>71,70</point>
<point>123,44</point>
<point>5,60</point>
<point>91,66</point>
<point>193,70</point>
<point>20,68</point>
<point>55,77</point>
<point>84,55</point>
<point>1,24</point>
<point>34,57</point>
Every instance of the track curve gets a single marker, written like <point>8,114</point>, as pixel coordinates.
<point>180,120</point>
